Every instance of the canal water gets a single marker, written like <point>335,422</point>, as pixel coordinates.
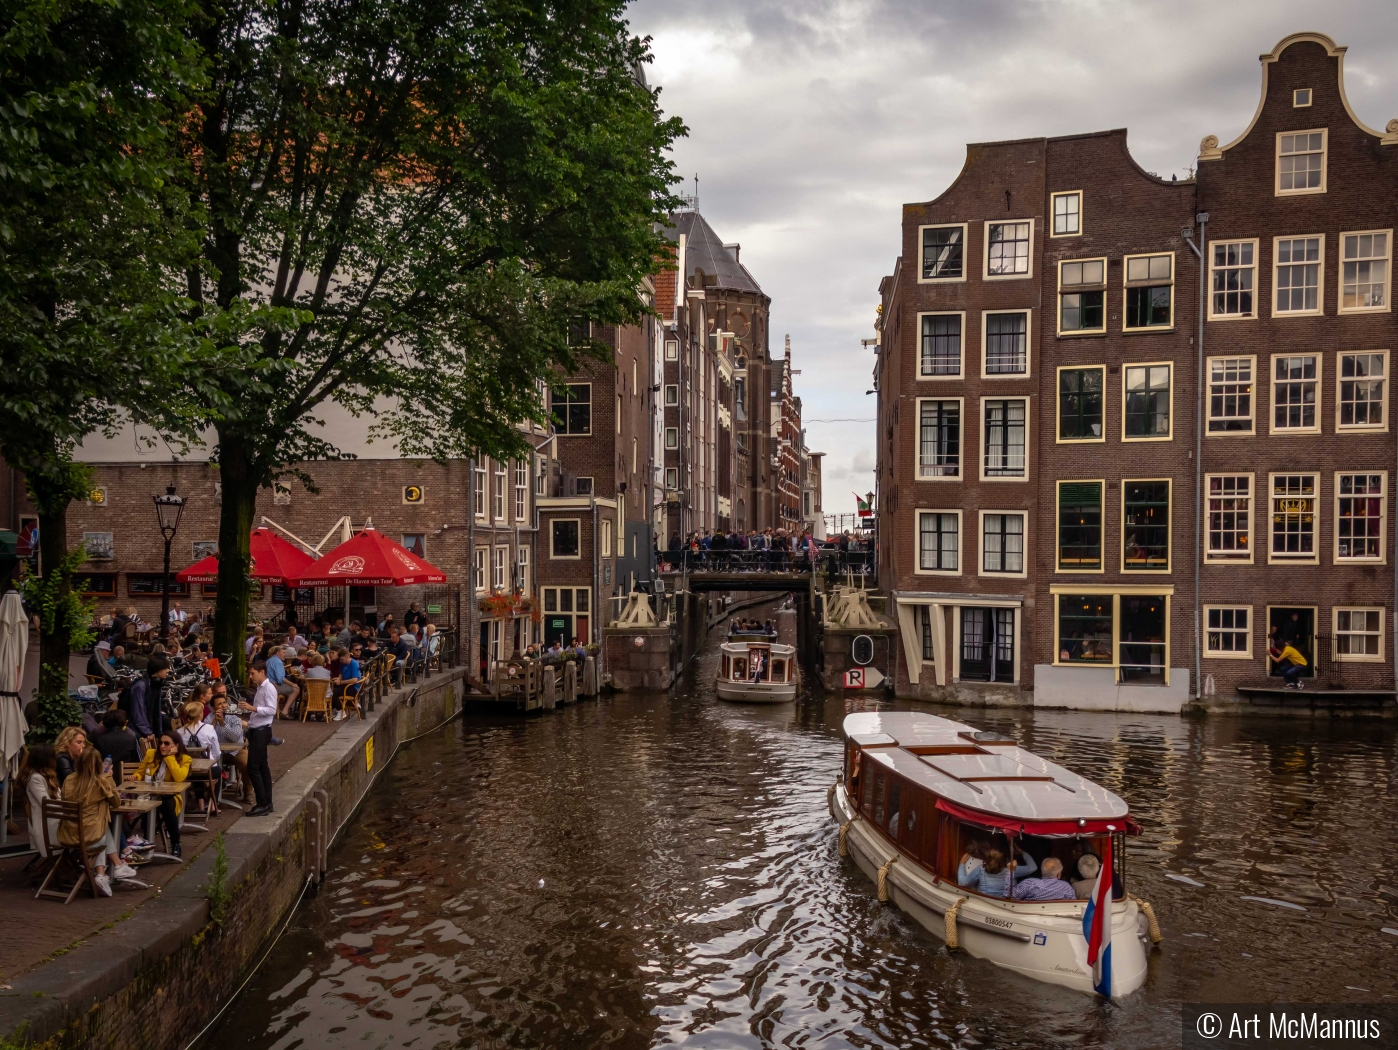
<point>655,870</point>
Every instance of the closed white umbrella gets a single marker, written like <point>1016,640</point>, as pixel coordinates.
<point>14,644</point>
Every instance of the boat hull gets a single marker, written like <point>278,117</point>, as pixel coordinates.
<point>756,693</point>
<point>1041,940</point>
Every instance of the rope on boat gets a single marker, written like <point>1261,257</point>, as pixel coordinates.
<point>1151,924</point>
<point>883,878</point>
<point>952,941</point>
<point>844,836</point>
<point>830,796</point>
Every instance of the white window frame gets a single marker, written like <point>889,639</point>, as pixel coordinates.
<point>1058,526</point>
<point>618,412</point>
<point>1320,277</point>
<point>565,557</point>
<point>672,349</point>
<point>498,495</point>
<point>1256,284</point>
<point>521,490</point>
<point>1364,428</point>
<point>986,275</point>
<point>478,493</point>
<point>497,568</point>
<point>606,537</point>
<point>1324,163</point>
<point>1272,427</point>
<point>1296,102</point>
<point>1348,658</point>
<point>1169,528</point>
<point>522,569</point>
<point>591,487</point>
<point>1294,559</point>
<point>1127,284</point>
<point>672,479</point>
<point>672,438</point>
<point>1053,213</point>
<point>1209,418</point>
<point>1214,556</point>
<point>1229,654</point>
<point>672,395</point>
<point>1383,519</point>
<point>961,364</point>
<point>985,448</point>
<point>1028,345</point>
<point>965,228</point>
<point>960,543</point>
<point>960,441</point>
<point>1068,333</point>
<point>591,411</point>
<point>1059,439</point>
<point>1024,554</point>
<point>1125,365</point>
<point>481,568</point>
<point>1388,274</point>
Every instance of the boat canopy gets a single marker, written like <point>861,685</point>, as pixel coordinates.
<point>987,779</point>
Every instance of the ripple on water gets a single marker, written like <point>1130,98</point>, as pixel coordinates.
<point>691,894</point>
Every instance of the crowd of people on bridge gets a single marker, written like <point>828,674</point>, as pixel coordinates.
<point>770,550</point>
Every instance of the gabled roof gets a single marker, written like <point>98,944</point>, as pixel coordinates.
<point>704,250</point>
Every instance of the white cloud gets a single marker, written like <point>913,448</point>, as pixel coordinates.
<point>813,121</point>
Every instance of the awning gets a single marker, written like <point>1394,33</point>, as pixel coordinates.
<point>369,559</point>
<point>1050,828</point>
<point>273,558</point>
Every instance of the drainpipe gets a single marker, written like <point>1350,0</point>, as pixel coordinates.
<point>596,582</point>
<point>1199,251</point>
<point>468,642</point>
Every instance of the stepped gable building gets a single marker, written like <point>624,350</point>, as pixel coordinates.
<point>1046,412</point>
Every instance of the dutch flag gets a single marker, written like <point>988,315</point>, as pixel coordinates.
<point>1097,928</point>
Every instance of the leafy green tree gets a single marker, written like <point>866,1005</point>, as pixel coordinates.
<point>434,187</point>
<point>94,236</point>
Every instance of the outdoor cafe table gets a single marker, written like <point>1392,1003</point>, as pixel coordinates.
<point>135,788</point>
<point>132,807</point>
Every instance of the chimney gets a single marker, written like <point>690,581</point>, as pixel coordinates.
<point>734,249</point>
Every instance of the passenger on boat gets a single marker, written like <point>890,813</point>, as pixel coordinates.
<point>993,876</point>
<point>1050,887</point>
<point>1088,867</point>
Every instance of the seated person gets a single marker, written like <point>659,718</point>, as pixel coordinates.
<point>369,648</point>
<point>117,741</point>
<point>1088,867</point>
<point>315,666</point>
<point>347,680</point>
<point>232,741</point>
<point>167,761</point>
<point>99,664</point>
<point>91,785</point>
<point>401,649</point>
<point>1048,887</point>
<point>994,876</point>
<point>287,691</point>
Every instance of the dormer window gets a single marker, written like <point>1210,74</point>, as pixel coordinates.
<point>1301,98</point>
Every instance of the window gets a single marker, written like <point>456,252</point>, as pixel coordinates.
<point>1294,512</point>
<point>939,534</point>
<point>1141,644</point>
<point>635,451</point>
<point>1145,533</point>
<point>572,409</point>
<point>1359,516</point>
<point>672,349</point>
<point>416,543</point>
<point>478,492</point>
<point>1067,214</point>
<point>1080,526</point>
<point>1301,162</point>
<point>1364,259</point>
<point>1147,402</point>
<point>1233,265</point>
<point>1081,296</point>
<point>1361,394</point>
<point>480,569</point>
<point>1294,384</point>
<point>940,439</point>
<point>521,489</point>
<point>1086,629</point>
<point>606,537</point>
<point>672,478</point>
<point>1230,395</point>
<point>522,570</point>
<point>96,584</point>
<point>1004,438</point>
<point>1080,404</point>
<point>1301,98</point>
<point>1007,249</point>
<point>541,473</point>
<point>672,437</point>
<point>672,394</point>
<point>1006,350</point>
<point>583,486</point>
<point>941,345</point>
<point>1002,543</point>
<point>499,495</point>
<point>618,413</point>
<point>1359,635</point>
<point>944,253</point>
<point>1230,518</point>
<point>579,331</point>
<point>1296,274</point>
<point>1228,631</point>
<point>925,621</point>
<point>497,568</point>
<point>1150,281</point>
<point>565,538</point>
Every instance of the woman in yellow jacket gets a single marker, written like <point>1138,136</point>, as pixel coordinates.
<point>167,762</point>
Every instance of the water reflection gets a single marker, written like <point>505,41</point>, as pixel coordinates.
<point>651,871</point>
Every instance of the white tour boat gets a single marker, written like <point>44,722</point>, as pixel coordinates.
<point>757,669</point>
<point>918,793</point>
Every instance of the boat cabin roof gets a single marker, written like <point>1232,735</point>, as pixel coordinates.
<point>739,645</point>
<point>982,771</point>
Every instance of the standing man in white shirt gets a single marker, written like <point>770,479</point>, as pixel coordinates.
<point>261,711</point>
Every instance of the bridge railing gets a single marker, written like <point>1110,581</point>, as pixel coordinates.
<point>833,562</point>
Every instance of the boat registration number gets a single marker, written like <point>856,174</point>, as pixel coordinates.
<point>1004,924</point>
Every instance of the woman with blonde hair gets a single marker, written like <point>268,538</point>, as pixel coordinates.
<point>91,786</point>
<point>196,733</point>
<point>71,743</point>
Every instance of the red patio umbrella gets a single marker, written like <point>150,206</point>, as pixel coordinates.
<point>369,559</point>
<point>273,558</point>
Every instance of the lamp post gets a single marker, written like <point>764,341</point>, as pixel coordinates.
<point>168,509</point>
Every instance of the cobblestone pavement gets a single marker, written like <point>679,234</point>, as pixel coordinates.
<point>31,931</point>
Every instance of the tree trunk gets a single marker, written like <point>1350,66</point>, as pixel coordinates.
<point>54,631</point>
<point>235,560</point>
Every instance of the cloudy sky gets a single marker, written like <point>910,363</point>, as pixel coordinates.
<point>812,121</point>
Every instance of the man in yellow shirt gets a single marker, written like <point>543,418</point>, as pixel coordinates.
<point>1291,662</point>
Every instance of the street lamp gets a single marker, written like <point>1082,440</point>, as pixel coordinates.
<point>168,509</point>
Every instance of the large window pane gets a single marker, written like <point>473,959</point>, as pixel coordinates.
<point>939,549</point>
<point>1080,403</point>
<point>1146,536</point>
<point>1085,628</point>
<point>942,253</point>
<point>1003,543</point>
<point>1148,401</point>
<point>1080,525</point>
<point>941,345</point>
<point>1006,344</point>
<point>1009,249</point>
<point>1004,438</point>
<point>1293,516</point>
<point>940,440</point>
<point>1142,637</point>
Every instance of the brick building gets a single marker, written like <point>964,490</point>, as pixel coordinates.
<point>788,443</point>
<point>1046,412</point>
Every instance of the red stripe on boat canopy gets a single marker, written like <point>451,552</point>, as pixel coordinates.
<point>1016,826</point>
